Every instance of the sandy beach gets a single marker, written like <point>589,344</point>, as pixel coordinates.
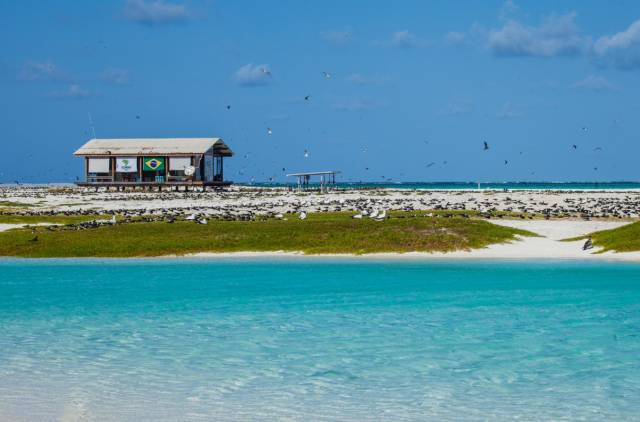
<point>567,214</point>
<point>244,201</point>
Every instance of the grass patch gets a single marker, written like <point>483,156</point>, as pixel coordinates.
<point>12,204</point>
<point>621,239</point>
<point>52,219</point>
<point>320,233</point>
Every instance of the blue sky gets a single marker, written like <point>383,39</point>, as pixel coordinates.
<point>415,87</point>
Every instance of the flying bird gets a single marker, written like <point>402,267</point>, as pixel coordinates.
<point>326,75</point>
<point>574,146</point>
<point>306,97</point>
<point>269,131</point>
<point>431,164</point>
<point>486,146</point>
<point>228,106</point>
<point>506,162</point>
<point>306,153</point>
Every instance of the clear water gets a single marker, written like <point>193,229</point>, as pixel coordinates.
<point>315,340</point>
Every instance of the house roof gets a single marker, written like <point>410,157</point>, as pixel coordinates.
<point>154,146</point>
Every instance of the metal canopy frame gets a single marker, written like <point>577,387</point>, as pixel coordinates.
<point>327,179</point>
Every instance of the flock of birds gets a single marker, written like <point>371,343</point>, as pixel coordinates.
<point>251,204</point>
<point>326,75</point>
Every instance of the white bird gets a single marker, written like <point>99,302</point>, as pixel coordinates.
<point>113,219</point>
<point>279,216</point>
<point>269,131</point>
<point>327,75</point>
<point>357,216</point>
<point>202,221</point>
<point>374,214</point>
<point>191,217</point>
<point>302,215</point>
<point>306,153</point>
<point>382,215</point>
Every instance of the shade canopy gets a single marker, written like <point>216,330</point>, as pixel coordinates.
<point>154,146</point>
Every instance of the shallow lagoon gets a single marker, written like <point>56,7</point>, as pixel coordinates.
<point>318,339</point>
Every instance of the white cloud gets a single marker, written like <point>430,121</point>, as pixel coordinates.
<point>458,107</point>
<point>156,12</point>
<point>509,111</point>
<point>338,37</point>
<point>404,39</point>
<point>358,79</point>
<point>594,83</point>
<point>115,76</point>
<point>456,38</point>
<point>556,36</point>
<point>36,71</point>
<point>621,49</point>
<point>250,75</point>
<point>359,104</point>
<point>508,10</point>
<point>73,91</point>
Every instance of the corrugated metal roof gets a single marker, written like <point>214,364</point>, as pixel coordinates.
<point>153,146</point>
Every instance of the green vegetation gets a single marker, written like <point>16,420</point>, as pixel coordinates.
<point>319,233</point>
<point>12,204</point>
<point>622,239</point>
<point>51,219</point>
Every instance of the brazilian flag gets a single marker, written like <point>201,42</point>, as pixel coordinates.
<point>153,164</point>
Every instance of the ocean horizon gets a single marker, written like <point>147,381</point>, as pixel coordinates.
<point>444,185</point>
<point>511,185</point>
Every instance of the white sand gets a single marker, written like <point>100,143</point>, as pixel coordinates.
<point>270,201</point>
<point>5,227</point>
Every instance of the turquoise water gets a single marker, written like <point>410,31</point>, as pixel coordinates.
<point>314,340</point>
<point>483,185</point>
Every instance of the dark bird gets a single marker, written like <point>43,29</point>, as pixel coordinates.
<point>431,164</point>
<point>138,117</point>
<point>597,149</point>
<point>486,146</point>
<point>506,162</point>
<point>35,239</point>
<point>574,146</point>
<point>587,245</point>
<point>326,75</point>
<point>306,97</point>
<point>228,107</point>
